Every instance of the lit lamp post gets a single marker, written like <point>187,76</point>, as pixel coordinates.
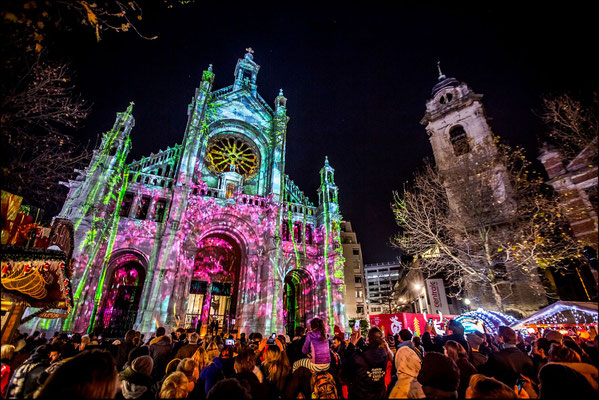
<point>467,303</point>
<point>419,296</point>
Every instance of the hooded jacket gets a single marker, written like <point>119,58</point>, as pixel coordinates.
<point>366,372</point>
<point>408,364</point>
<point>160,351</point>
<point>319,348</point>
<point>220,368</point>
<point>589,371</point>
<point>136,385</point>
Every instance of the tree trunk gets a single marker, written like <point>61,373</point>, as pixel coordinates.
<point>497,296</point>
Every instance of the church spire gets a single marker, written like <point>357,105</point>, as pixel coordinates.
<point>246,72</point>
<point>441,74</point>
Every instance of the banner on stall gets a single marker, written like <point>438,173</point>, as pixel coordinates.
<point>436,296</point>
<point>391,324</point>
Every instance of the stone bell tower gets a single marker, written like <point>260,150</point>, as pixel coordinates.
<point>478,188</point>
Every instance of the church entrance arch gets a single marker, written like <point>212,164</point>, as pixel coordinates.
<point>298,300</point>
<point>213,292</point>
<point>121,303</point>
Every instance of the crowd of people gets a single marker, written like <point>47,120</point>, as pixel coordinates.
<point>312,364</point>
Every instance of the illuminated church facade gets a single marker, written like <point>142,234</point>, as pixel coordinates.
<point>211,229</point>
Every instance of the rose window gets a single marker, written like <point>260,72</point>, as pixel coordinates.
<point>231,153</point>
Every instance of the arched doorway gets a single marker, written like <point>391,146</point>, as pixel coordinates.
<point>212,302</point>
<point>121,303</point>
<point>297,300</point>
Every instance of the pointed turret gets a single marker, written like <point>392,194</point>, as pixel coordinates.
<point>246,72</point>
<point>327,193</point>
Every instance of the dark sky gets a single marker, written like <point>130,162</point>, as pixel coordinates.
<point>356,79</point>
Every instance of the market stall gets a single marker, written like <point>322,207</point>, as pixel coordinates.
<point>391,324</point>
<point>484,321</point>
<point>565,316</point>
<point>38,279</point>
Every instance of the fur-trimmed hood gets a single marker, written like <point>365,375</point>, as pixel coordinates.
<point>164,339</point>
<point>590,372</point>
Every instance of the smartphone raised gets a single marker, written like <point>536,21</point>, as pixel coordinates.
<point>346,336</point>
<point>357,325</point>
<point>229,342</point>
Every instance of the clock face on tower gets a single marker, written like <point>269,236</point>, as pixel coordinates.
<point>232,153</point>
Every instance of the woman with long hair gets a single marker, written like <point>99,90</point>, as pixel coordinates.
<point>201,358</point>
<point>316,347</point>
<point>275,369</point>
<point>175,386</point>
<point>89,375</point>
<point>457,353</point>
<point>212,350</point>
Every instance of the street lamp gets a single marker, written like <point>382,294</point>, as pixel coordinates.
<point>467,302</point>
<point>417,287</point>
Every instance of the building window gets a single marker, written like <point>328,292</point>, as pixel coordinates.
<point>358,294</point>
<point>308,234</point>
<point>360,309</point>
<point>459,140</point>
<point>160,208</point>
<point>358,279</point>
<point>126,205</point>
<point>285,230</point>
<point>297,232</point>
<point>356,252</point>
<point>142,210</point>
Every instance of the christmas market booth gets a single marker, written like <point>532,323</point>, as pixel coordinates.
<point>391,324</point>
<point>35,266</point>
<point>576,316</point>
<point>484,321</point>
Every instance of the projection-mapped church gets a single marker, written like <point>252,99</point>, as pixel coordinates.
<point>210,229</point>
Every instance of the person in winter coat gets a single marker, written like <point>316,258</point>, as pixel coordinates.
<point>557,381</point>
<point>508,364</point>
<point>220,368</point>
<point>458,354</point>
<point>124,349</point>
<point>366,366</point>
<point>408,361</point>
<point>455,332</point>
<point>89,375</point>
<point>439,376</point>
<point>244,372</point>
<point>477,358</point>
<point>561,354</point>
<point>160,351</point>
<point>136,380</point>
<point>317,346</point>
<point>188,350</point>
<point>294,349</point>
<point>24,381</point>
<point>276,371</point>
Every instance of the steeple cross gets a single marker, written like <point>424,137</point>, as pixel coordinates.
<point>250,50</point>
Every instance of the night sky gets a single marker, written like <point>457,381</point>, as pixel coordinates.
<point>356,79</point>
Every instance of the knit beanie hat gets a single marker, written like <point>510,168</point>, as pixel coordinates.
<point>440,372</point>
<point>138,352</point>
<point>143,365</point>
<point>554,336</point>
<point>474,340</point>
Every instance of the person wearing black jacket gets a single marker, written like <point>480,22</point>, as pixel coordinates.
<point>365,365</point>
<point>507,364</point>
<point>455,332</point>
<point>294,349</point>
<point>124,349</point>
<point>244,373</point>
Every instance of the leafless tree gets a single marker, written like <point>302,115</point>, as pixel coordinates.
<point>483,224</point>
<point>571,123</point>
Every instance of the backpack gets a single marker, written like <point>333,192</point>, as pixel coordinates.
<point>323,386</point>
